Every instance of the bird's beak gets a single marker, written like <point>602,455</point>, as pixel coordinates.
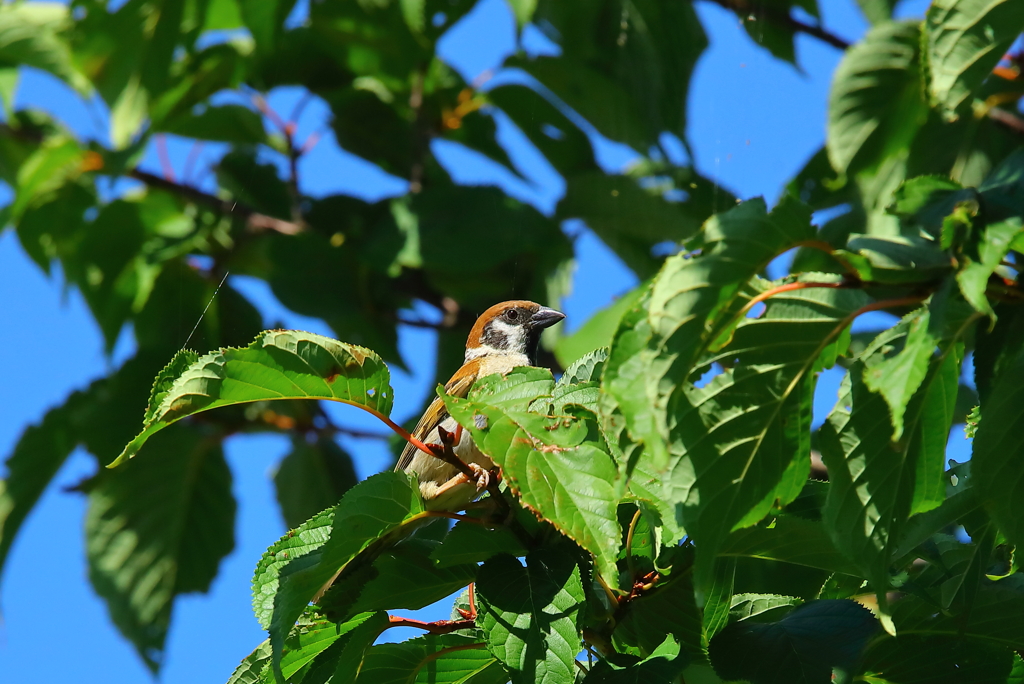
<point>545,318</point>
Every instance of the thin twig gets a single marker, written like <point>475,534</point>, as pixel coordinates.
<point>165,158</point>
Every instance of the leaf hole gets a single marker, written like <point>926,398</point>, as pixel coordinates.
<point>709,375</point>
<point>371,392</point>
<point>757,310</point>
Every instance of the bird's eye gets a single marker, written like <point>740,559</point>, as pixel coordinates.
<point>512,315</point>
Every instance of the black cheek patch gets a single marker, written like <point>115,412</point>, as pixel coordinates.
<point>495,339</point>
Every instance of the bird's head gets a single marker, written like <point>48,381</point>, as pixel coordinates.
<point>510,328</point>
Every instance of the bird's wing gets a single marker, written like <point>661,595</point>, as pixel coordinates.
<point>457,386</point>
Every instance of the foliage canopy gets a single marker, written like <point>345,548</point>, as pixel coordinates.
<point>658,520</point>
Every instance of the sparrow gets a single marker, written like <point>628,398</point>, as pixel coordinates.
<point>504,337</point>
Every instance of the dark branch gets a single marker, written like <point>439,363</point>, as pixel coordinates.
<point>254,219</point>
<point>782,18</point>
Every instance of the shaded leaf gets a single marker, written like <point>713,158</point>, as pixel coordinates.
<point>312,478</point>
<point>473,543</point>
<point>965,41</point>
<point>876,104</point>
<point>528,615</point>
<point>432,659</point>
<point>802,647</point>
<point>177,533</point>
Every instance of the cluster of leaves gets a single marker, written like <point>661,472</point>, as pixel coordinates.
<point>656,510</point>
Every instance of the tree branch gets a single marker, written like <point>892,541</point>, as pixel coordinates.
<point>254,219</point>
<point>775,16</point>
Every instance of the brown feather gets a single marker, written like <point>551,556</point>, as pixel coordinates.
<point>457,386</point>
<point>477,333</point>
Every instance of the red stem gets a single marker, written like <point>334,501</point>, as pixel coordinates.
<point>439,627</point>
<point>165,158</point>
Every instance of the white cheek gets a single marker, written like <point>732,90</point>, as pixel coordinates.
<point>515,334</point>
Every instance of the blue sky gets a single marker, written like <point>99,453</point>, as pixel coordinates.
<point>753,122</point>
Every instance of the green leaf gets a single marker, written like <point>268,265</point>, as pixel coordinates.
<point>630,219</point>
<point>265,20</point>
<point>998,450</point>
<point>658,344</point>
<point>405,576</point>
<point>529,615</point>
<point>37,457</point>
<point>351,658</point>
<point>876,103</point>
<point>928,659</point>
<point>57,160</point>
<point>992,618</point>
<point>718,599</point>
<point>587,368</point>
<point>898,377</point>
<point>965,40</point>
<point>875,483</point>
<point>598,331</point>
<point>431,659</point>
<point>926,200</point>
<point>789,540</point>
<point>177,533</point>
<point>877,11</point>
<point>377,512</point>
<point>597,74</point>
<point>551,465</point>
<point>802,648</point>
<point>662,666</point>
<point>310,639</point>
<point>895,260</point>
<point>312,478</point>
<point>473,543</point>
<point>278,364</point>
<point>30,35</point>
<point>746,606</point>
<point>669,609</point>
<point>763,404</point>
<point>993,245</point>
<point>226,123</point>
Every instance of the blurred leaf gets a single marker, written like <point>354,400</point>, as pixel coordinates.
<point>529,615</point>
<point>279,364</point>
<point>802,648</point>
<point>876,104</point>
<point>226,123</point>
<point>311,478</point>
<point>265,19</point>
<point>965,41</point>
<point>253,183</point>
<point>630,219</point>
<point>926,200</point>
<point>597,331</point>
<point>746,606</point>
<point>625,67</point>
<point>54,163</point>
<point>877,11</point>
<point>547,126</point>
<point>178,533</point>
<point>30,36</point>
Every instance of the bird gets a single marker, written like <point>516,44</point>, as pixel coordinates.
<point>504,337</point>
